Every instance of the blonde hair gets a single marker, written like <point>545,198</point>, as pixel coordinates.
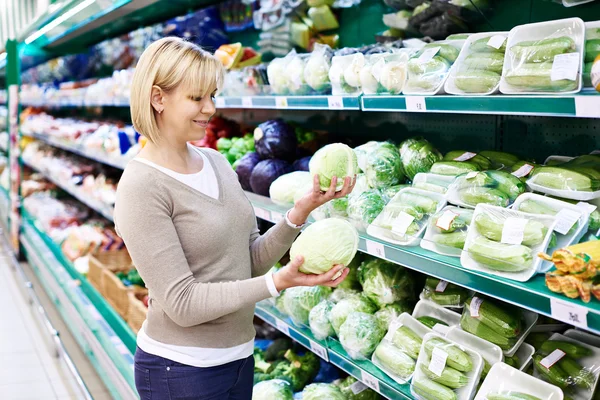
<point>168,63</point>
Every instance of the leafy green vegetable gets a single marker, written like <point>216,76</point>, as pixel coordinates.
<point>384,282</point>
<point>341,310</point>
<point>318,319</point>
<point>283,189</point>
<point>384,166</point>
<point>301,299</point>
<point>346,388</point>
<point>274,389</point>
<point>364,208</point>
<point>389,312</point>
<point>360,334</point>
<point>418,155</point>
<point>321,391</point>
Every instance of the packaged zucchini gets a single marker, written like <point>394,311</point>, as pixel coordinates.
<point>432,182</point>
<point>505,382</point>
<point>506,242</point>
<point>544,57</point>
<point>446,232</point>
<point>497,188</point>
<point>444,293</point>
<point>478,68</point>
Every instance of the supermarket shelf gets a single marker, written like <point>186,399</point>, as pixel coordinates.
<point>65,102</point>
<point>291,102</point>
<point>79,150</point>
<point>90,319</point>
<point>105,211</point>
<point>532,295</point>
<point>4,213</point>
<point>332,351</point>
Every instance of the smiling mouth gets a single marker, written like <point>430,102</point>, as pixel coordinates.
<point>203,124</point>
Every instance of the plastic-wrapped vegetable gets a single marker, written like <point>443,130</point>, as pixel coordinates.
<point>295,74</point>
<point>344,74</point>
<point>318,319</point>
<point>394,360</point>
<point>316,71</point>
<point>581,174</point>
<point>383,166</point>
<point>365,207</point>
<point>341,310</point>
<point>390,312</point>
<point>372,68</point>
<point>300,300</point>
<point>351,281</point>
<point>274,389</point>
<point>360,334</point>
<point>447,231</point>
<point>348,385</point>
<point>497,188</point>
<point>340,294</point>
<point>283,189</point>
<point>428,69</point>
<point>363,151</point>
<point>384,282</point>
<point>444,293</point>
<point>418,155</point>
<point>320,391</point>
<point>278,77</point>
<point>466,156</point>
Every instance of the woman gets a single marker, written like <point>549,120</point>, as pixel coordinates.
<point>192,235</point>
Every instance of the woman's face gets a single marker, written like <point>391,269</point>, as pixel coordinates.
<point>186,115</point>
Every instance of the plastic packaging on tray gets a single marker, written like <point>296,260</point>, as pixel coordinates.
<point>397,353</point>
<point>443,293</point>
<point>316,70</point>
<point>445,370</point>
<point>577,179</point>
<point>501,324</point>
<point>523,356</point>
<point>572,221</point>
<point>506,242</point>
<point>582,336</point>
<point>498,188</point>
<point>432,182</point>
<point>429,68</point>
<point>385,72</point>
<point>478,68</point>
<point>429,313</point>
<point>569,364</point>
<point>503,381</point>
<point>363,208</point>
<point>447,231</point>
<point>360,335</point>
<point>544,57</point>
<point>344,74</point>
<point>404,219</point>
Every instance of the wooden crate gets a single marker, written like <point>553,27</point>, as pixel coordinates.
<point>103,267</point>
<point>137,312</point>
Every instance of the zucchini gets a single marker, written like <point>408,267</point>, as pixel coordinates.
<point>536,339</point>
<point>538,77</point>
<point>536,207</point>
<point>430,390</point>
<point>587,74</point>
<point>453,168</point>
<point>448,52</point>
<point>456,239</point>
<point>579,375</point>
<point>500,159</point>
<point>564,179</point>
<point>481,46</point>
<point>500,256</point>
<point>450,297</point>
<point>424,204</point>
<point>592,50</point>
<point>574,350</point>
<point>478,194</point>
<point>450,377</point>
<point>430,322</point>
<point>395,360</point>
<point>492,62</point>
<point>397,208</point>
<point>503,319</point>
<point>437,65</point>
<point>477,328</point>
<point>555,375</point>
<point>476,81</point>
<point>538,51</point>
<point>510,396</point>
<point>457,224</point>
<point>457,358</point>
<point>492,228</point>
<point>408,341</point>
<point>431,283</point>
<point>507,183</point>
<point>512,361</point>
<point>478,159</point>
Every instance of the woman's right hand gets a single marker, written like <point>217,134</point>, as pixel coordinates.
<point>289,276</point>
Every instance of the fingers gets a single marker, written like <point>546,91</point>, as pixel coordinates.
<point>347,188</point>
<point>316,184</point>
<point>339,279</point>
<point>331,191</point>
<point>295,264</point>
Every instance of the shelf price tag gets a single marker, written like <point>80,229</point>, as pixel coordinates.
<point>247,102</point>
<point>358,387</point>
<point>587,106</point>
<point>552,358</point>
<point>281,102</point>
<point>262,213</point>
<point>319,350</point>
<point>415,103</point>
<point>283,327</point>
<point>335,102</point>
<point>220,102</point>
<point>370,380</point>
<point>570,313</point>
<point>375,249</point>
<point>565,219</point>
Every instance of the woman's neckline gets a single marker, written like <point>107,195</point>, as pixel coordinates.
<point>195,149</point>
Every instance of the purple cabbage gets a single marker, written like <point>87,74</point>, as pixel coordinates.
<point>301,164</point>
<point>244,169</point>
<point>275,139</point>
<point>265,173</point>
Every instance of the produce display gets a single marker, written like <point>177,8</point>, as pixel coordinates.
<point>577,179</point>
<point>447,231</point>
<point>498,188</point>
<point>429,68</point>
<point>444,294</point>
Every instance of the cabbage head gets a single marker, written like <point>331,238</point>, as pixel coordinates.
<point>384,282</point>
<point>338,207</point>
<point>389,192</point>
<point>350,304</point>
<point>360,334</point>
<point>284,188</point>
<point>362,152</point>
<point>383,166</point>
<point>280,303</point>
<point>300,300</point>
<point>351,281</point>
<point>335,159</point>
<point>322,391</point>
<point>275,389</point>
<point>418,155</point>
<point>364,208</point>
<point>318,320</point>
<point>324,244</point>
<point>340,294</point>
<point>390,312</point>
<point>346,388</point>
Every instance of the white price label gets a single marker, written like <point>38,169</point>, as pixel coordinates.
<point>394,326</point>
<point>523,171</point>
<point>565,66</point>
<point>415,103</point>
<point>319,350</point>
<point>220,102</point>
<point>262,213</point>
<point>472,174</point>
<point>402,222</point>
<point>375,249</point>
<point>247,102</point>
<point>474,307</point>
<point>565,219</point>
<point>513,230</point>
<point>570,313</point>
<point>587,106</point>
<point>335,102</point>
<point>466,156</point>
<point>283,327</point>
<point>370,381</point>
<point>276,217</point>
<point>358,387</point>
<point>281,102</point>
<point>587,207</point>
<point>441,286</point>
<point>496,41</point>
<point>428,54</point>
<point>552,358</point>
<point>438,361</point>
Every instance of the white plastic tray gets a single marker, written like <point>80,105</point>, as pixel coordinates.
<point>584,337</point>
<point>450,86</point>
<point>386,234</point>
<point>428,243</point>
<point>464,393</point>
<point>573,3</point>
<point>539,31</point>
<point>565,194</point>
<point>562,241</point>
<point>522,276</point>
<point>503,377</point>
<point>427,177</point>
<point>525,354</point>
<point>427,308</point>
<point>488,351</point>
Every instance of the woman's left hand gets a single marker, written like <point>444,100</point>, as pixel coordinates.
<point>316,198</point>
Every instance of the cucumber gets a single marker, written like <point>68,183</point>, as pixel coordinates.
<point>500,159</point>
<point>448,52</point>
<point>492,62</point>
<point>571,349</point>
<point>555,375</point>
<point>538,77</point>
<point>395,360</point>
<point>510,396</point>
<point>564,179</point>
<point>408,341</point>
<point>456,239</point>
<point>477,195</point>
<point>491,228</point>
<point>512,361</point>
<point>430,390</point>
<point>474,81</point>
<point>453,168</point>
<point>592,50</point>
<point>430,322</point>
<point>508,183</point>
<point>481,46</point>
<point>542,50</point>
<point>500,256</point>
<point>457,358</point>
<point>450,377</point>
<point>457,224</point>
<point>477,328</point>
<point>424,204</point>
<point>478,159</point>
<point>579,375</point>
<point>450,297</point>
<point>502,318</point>
<point>431,283</point>
<point>485,371</point>
<point>536,207</point>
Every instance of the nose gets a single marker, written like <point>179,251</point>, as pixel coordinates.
<point>208,106</point>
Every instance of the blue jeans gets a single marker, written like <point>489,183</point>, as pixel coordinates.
<point>158,378</point>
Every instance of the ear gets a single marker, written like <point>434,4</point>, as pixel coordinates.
<point>157,99</point>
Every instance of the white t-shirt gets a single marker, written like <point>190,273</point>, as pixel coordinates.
<point>205,182</point>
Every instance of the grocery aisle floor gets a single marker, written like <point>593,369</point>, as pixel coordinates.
<point>29,368</point>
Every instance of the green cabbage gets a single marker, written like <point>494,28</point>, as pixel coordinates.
<point>364,208</point>
<point>384,282</point>
<point>383,166</point>
<point>390,312</point>
<point>284,188</point>
<point>350,304</point>
<point>362,152</point>
<point>322,391</point>
<point>318,320</point>
<point>360,334</point>
<point>335,159</point>
<point>324,244</point>
<point>346,388</point>
<point>351,281</point>
<point>418,155</point>
<point>300,300</point>
<point>340,294</point>
<point>338,207</point>
<point>275,389</point>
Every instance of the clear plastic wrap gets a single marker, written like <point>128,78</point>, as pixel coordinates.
<point>295,74</point>
<point>318,320</point>
<point>506,242</point>
<point>316,71</point>
<point>569,364</point>
<point>429,314</point>
<point>497,188</point>
<point>446,232</point>
<point>432,182</point>
<point>478,68</point>
<point>360,334</point>
<point>429,68</point>
<point>385,72</point>
<point>277,75</point>
<point>344,74</point>
<point>544,57</point>
<point>498,323</point>
<point>383,165</point>
<point>404,219</point>
<point>384,282</point>
<point>298,301</point>
<point>364,208</point>
<point>592,50</point>
<point>390,312</point>
<point>350,304</point>
<point>443,293</point>
<point>418,155</point>
<point>445,370</point>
